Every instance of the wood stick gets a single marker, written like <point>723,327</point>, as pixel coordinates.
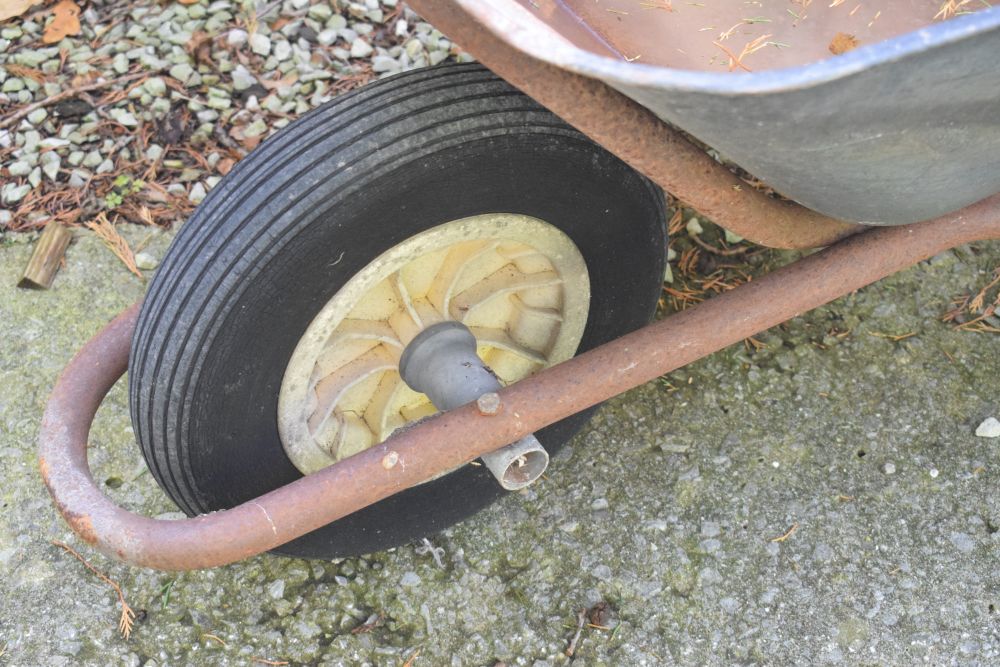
<point>46,257</point>
<point>581,618</point>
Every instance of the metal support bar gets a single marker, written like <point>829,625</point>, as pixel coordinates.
<point>459,436</point>
<point>638,137</point>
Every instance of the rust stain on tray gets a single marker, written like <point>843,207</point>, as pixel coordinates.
<point>842,43</point>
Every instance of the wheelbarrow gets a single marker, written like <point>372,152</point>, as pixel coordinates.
<point>343,342</point>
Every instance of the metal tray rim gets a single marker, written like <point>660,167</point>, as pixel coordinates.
<point>528,33</point>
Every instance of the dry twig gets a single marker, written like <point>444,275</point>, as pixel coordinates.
<point>581,619</point>
<point>724,252</point>
<point>373,622</point>
<point>975,305</point>
<point>66,94</point>
<point>128,616</point>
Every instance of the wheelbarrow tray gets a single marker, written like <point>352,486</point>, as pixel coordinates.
<point>894,132</point>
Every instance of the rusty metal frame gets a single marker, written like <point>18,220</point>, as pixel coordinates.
<point>458,436</point>
<point>640,139</point>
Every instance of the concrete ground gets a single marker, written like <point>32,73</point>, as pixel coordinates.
<point>666,508</point>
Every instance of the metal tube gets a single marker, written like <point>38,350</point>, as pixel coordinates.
<point>637,136</point>
<point>441,362</point>
<point>456,437</point>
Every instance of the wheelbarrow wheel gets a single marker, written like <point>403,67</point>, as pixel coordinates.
<point>267,345</point>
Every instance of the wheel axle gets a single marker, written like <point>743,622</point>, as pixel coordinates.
<point>441,362</point>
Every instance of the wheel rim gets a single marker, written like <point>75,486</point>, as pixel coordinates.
<point>519,283</point>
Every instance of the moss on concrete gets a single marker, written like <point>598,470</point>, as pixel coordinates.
<point>885,567</point>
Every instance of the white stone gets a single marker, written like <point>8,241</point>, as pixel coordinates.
<point>38,116</point>
<point>11,193</point>
<point>120,63</point>
<point>260,44</point>
<point>320,12</point>
<point>990,428</point>
<point>276,589</point>
<point>155,86</point>
<point>236,37</point>
<point>124,117</point>
<point>360,48</point>
<point>145,261</point>
<point>242,78</point>
<point>182,72</point>
<point>327,37</point>
<point>197,193</point>
<point>31,140</point>
<point>384,64</point>
<point>93,159</point>
<point>53,142</point>
<point>19,168</point>
<point>282,50</point>
<point>50,165</point>
<point>255,129</point>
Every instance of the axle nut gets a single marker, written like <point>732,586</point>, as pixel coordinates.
<point>488,403</point>
<point>390,460</point>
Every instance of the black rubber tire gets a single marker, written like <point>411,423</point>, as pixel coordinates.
<point>245,276</point>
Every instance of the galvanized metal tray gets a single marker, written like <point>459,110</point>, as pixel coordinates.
<point>892,132</point>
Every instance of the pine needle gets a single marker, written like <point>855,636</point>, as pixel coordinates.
<point>949,9</point>
<point>215,638</point>
<point>128,616</point>
<point>980,298</point>
<point>114,241</point>
<point>676,223</point>
<point>788,533</point>
<point>895,338</point>
<point>976,306</point>
<point>665,5</point>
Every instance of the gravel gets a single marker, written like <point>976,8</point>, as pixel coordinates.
<point>190,74</point>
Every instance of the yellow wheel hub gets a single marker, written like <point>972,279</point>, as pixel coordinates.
<point>520,285</point>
